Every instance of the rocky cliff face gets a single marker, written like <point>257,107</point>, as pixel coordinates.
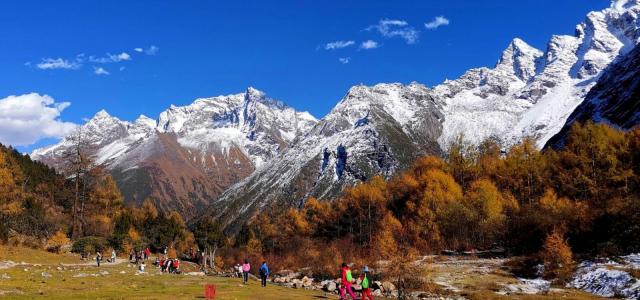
<point>190,154</point>
<point>614,100</point>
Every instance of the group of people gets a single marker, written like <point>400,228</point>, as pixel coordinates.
<point>244,269</point>
<point>139,255</point>
<point>170,265</point>
<point>347,281</point>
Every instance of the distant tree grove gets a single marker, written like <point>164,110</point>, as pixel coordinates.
<point>40,208</point>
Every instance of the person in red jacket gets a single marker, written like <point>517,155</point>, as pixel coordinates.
<point>347,280</point>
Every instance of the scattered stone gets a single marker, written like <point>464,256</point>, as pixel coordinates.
<point>80,275</point>
<point>5,276</point>
<point>194,273</point>
<point>104,273</point>
<point>45,274</point>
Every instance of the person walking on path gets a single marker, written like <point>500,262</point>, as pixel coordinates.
<point>347,280</point>
<point>366,284</point>
<point>113,256</point>
<point>264,273</point>
<point>246,267</point>
<point>98,257</point>
<point>147,253</point>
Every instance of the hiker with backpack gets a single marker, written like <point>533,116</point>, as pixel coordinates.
<point>246,267</point>
<point>347,281</point>
<point>366,284</point>
<point>264,273</point>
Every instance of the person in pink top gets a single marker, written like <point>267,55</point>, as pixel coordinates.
<point>246,267</point>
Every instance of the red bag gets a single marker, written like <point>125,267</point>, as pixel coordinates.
<point>209,291</point>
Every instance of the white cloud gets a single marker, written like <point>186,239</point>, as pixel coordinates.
<point>27,118</point>
<point>396,28</point>
<point>344,60</point>
<point>153,50</point>
<point>338,45</point>
<point>437,22</point>
<point>369,44</point>
<point>110,58</point>
<point>139,50</point>
<point>100,71</point>
<point>57,63</point>
<point>122,68</point>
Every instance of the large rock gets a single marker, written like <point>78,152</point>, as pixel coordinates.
<point>297,283</point>
<point>330,286</point>
<point>307,282</point>
<point>388,287</point>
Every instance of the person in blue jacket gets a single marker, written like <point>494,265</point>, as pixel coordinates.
<point>264,273</point>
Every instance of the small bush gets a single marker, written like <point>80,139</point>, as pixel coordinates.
<point>57,242</point>
<point>557,257</point>
<point>89,244</point>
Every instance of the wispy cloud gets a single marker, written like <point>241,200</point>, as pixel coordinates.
<point>437,22</point>
<point>396,28</point>
<point>100,71</point>
<point>344,60</point>
<point>338,45</point>
<point>369,44</point>
<point>81,59</point>
<point>27,118</point>
<point>153,50</point>
<point>56,63</point>
<point>110,58</point>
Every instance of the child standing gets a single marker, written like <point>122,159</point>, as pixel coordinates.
<point>366,284</point>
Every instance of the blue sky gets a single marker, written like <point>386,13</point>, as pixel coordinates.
<point>191,49</point>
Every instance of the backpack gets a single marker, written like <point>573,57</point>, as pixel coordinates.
<point>365,282</point>
<point>349,277</point>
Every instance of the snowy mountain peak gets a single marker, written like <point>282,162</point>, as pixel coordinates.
<point>146,121</point>
<point>253,94</point>
<point>103,116</point>
<point>519,59</point>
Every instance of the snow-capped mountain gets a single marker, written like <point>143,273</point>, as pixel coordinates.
<point>379,129</point>
<point>373,130</point>
<point>614,100</point>
<point>531,93</point>
<point>190,153</point>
